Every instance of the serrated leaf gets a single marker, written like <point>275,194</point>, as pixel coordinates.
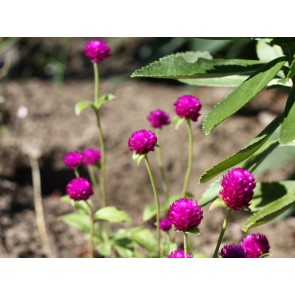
<point>242,95</point>
<point>149,212</point>
<point>287,133</point>
<point>185,66</point>
<point>244,153</point>
<point>78,220</point>
<point>270,211</point>
<point>177,121</point>
<point>111,214</point>
<point>267,52</point>
<point>81,106</point>
<point>137,158</point>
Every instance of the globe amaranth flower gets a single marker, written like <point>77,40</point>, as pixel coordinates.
<point>91,156</point>
<point>188,106</point>
<point>142,141</point>
<point>97,50</point>
<point>237,188</point>
<point>79,189</point>
<point>158,118</point>
<point>73,159</point>
<point>255,245</point>
<point>233,251</point>
<point>185,214</point>
<point>165,224</point>
<point>179,254</point>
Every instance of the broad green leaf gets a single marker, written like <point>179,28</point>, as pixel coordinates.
<point>177,121</point>
<point>270,211</point>
<point>211,193</point>
<point>124,247</point>
<point>111,214</point>
<point>81,106</point>
<point>137,158</point>
<point>242,95</point>
<point>78,220</point>
<point>105,248</point>
<point>267,52</point>
<point>287,133</point>
<point>144,238</point>
<point>189,65</point>
<point>149,212</point>
<point>244,153</point>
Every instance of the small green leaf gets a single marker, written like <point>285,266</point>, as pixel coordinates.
<point>111,214</point>
<point>81,106</point>
<point>287,133</point>
<point>194,231</point>
<point>242,95</point>
<point>149,212</point>
<point>217,203</point>
<point>103,99</point>
<point>144,238</point>
<point>270,211</point>
<point>78,220</point>
<point>211,193</point>
<point>124,247</point>
<point>105,248</point>
<point>81,205</point>
<point>177,121</point>
<point>291,72</point>
<point>137,158</point>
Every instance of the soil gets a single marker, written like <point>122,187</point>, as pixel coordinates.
<point>52,129</point>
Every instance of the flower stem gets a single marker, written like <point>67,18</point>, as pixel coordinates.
<point>224,226</point>
<point>77,174</point>
<point>93,181</point>
<point>190,158</point>
<point>96,81</point>
<point>185,244</point>
<point>160,164</point>
<point>157,201</point>
<point>91,214</point>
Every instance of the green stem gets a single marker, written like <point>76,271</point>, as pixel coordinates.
<point>224,226</point>
<point>157,201</point>
<point>77,174</point>
<point>161,166</point>
<point>190,158</point>
<point>93,181</point>
<point>96,81</point>
<point>185,244</point>
<point>168,242</point>
<point>91,214</point>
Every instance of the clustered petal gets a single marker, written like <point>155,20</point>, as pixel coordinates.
<point>255,245</point>
<point>158,118</point>
<point>73,159</point>
<point>188,106</point>
<point>97,50</point>
<point>79,189</point>
<point>179,254</point>
<point>237,188</point>
<point>185,214</point>
<point>165,224</point>
<point>233,251</point>
<point>142,141</point>
<point>91,156</point>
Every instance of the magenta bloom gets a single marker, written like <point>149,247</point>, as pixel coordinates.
<point>185,214</point>
<point>255,245</point>
<point>165,224</point>
<point>237,188</point>
<point>179,254</point>
<point>142,141</point>
<point>97,50</point>
<point>233,251</point>
<point>73,159</point>
<point>79,189</point>
<point>158,118</point>
<point>188,106</point>
<point>91,157</point>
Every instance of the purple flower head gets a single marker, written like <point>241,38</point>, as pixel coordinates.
<point>73,159</point>
<point>97,50</point>
<point>79,189</point>
<point>237,188</point>
<point>91,157</point>
<point>188,106</point>
<point>255,245</point>
<point>185,214</point>
<point>165,224</point>
<point>158,118</point>
<point>142,141</point>
<point>179,254</point>
<point>233,251</point>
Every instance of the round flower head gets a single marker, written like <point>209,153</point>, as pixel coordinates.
<point>97,50</point>
<point>158,118</point>
<point>185,214</point>
<point>79,189</point>
<point>179,254</point>
<point>165,224</point>
<point>233,251</point>
<point>73,159</point>
<point>237,188</point>
<point>255,245</point>
<point>188,106</point>
<point>91,157</point>
<point>142,141</point>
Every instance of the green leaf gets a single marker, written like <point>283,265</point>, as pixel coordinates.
<point>81,205</point>
<point>287,133</point>
<point>194,231</point>
<point>105,248</point>
<point>81,106</point>
<point>102,100</point>
<point>211,193</point>
<point>244,153</point>
<point>144,238</point>
<point>217,203</point>
<point>270,211</point>
<point>267,52</point>
<point>124,247</point>
<point>78,220</point>
<point>177,121</point>
<point>149,212</point>
<point>291,72</point>
<point>137,158</point>
<point>189,65</point>
<point>242,95</point>
<point>111,214</point>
